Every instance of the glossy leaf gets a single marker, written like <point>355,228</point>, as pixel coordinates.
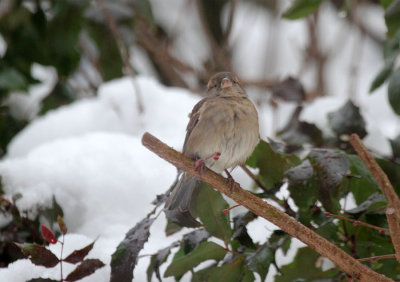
<point>302,185</point>
<point>39,255</point>
<point>79,255</point>
<point>209,206</point>
<point>123,260</point>
<point>330,167</point>
<point>271,164</point>
<point>347,120</point>
<point>260,260</point>
<point>394,89</point>
<point>205,251</point>
<point>86,268</point>
<point>48,235</point>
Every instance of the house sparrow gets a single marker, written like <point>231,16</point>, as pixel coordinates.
<point>222,133</point>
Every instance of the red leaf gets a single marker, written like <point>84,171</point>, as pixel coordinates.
<point>39,255</point>
<point>62,225</point>
<point>79,255</point>
<point>48,235</point>
<point>86,268</point>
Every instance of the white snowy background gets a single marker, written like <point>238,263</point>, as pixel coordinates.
<point>89,154</point>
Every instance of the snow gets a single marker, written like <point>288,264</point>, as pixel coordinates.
<point>89,154</point>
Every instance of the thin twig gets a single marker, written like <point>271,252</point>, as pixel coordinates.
<point>357,222</point>
<point>256,205</point>
<point>393,222</point>
<point>378,257</point>
<point>124,53</point>
<point>377,172</point>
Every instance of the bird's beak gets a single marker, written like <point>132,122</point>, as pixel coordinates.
<point>225,83</point>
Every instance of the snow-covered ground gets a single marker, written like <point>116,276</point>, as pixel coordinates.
<point>89,154</point>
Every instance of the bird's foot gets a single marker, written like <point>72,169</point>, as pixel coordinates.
<point>199,165</point>
<point>232,183</point>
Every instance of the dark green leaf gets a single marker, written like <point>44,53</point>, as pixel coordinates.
<point>394,89</point>
<point>330,166</point>
<point>302,185</point>
<point>240,231</point>
<point>232,271</point>
<point>124,258</point>
<point>297,133</point>
<point>12,79</point>
<point>347,120</point>
<point>364,206</point>
<point>79,255</point>
<point>289,89</point>
<point>382,76</point>
<point>39,255</point>
<point>209,207</point>
<point>194,238</point>
<point>302,267</point>
<point>171,227</point>
<point>301,9</point>
<point>363,184</point>
<point>86,268</point>
<point>157,260</point>
<point>270,163</point>
<point>205,251</point>
<point>392,18</point>
<point>260,260</point>
<point>395,144</point>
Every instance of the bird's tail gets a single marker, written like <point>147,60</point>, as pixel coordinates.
<point>180,203</point>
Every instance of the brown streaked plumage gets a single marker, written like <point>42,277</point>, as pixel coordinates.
<point>224,122</point>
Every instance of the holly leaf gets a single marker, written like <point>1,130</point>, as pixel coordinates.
<point>39,255</point>
<point>78,255</point>
<point>86,268</point>
<point>124,258</point>
<point>205,251</point>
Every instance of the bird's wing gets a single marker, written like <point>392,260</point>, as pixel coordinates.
<point>194,119</point>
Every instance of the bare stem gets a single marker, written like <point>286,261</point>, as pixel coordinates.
<point>378,257</point>
<point>377,172</point>
<point>256,205</point>
<point>393,222</point>
<point>357,222</point>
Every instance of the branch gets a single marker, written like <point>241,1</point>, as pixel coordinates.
<point>394,227</point>
<point>343,260</point>
<point>379,175</point>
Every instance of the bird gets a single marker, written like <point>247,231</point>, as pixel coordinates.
<point>222,132</point>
